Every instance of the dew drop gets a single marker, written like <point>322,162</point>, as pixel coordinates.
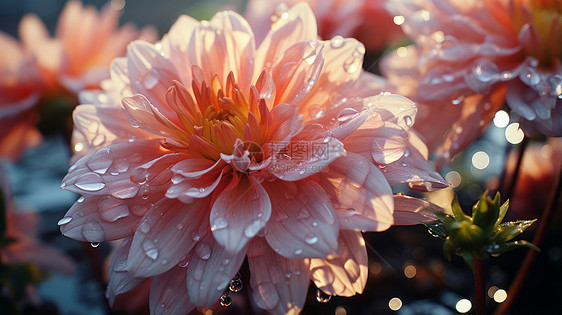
<point>310,59</point>
<point>408,120</point>
<point>347,114</point>
<point>253,229</point>
<point>336,42</point>
<point>195,237</point>
<point>457,100</point>
<point>530,77</point>
<point>64,220</point>
<point>100,161</point>
<point>149,248</point>
<point>203,251</point>
<point>235,285</point>
<point>179,227</point>
<point>90,182</point>
<point>322,297</point>
<point>183,262</point>
<point>289,196</point>
<point>150,79</point>
<point>95,244</point>
<point>92,231</point>
<point>219,223</point>
<point>298,252</point>
<point>144,227</point>
<point>225,300</point>
<point>311,238</point>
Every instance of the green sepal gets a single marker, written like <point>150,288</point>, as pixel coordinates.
<point>457,210</point>
<point>505,247</point>
<point>508,230</point>
<point>486,212</point>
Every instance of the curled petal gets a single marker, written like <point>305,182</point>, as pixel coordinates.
<point>168,293</point>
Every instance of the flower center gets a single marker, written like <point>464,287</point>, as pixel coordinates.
<point>543,34</point>
<point>217,116</point>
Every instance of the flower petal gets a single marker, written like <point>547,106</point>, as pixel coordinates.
<point>239,214</point>
<point>120,280</point>
<point>166,235</point>
<point>279,284</point>
<point>211,267</point>
<point>409,210</point>
<point>303,222</point>
<point>347,273</point>
<point>168,293</point>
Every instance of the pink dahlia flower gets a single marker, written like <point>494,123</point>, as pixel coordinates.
<point>471,57</point>
<point>85,42</point>
<point>41,69</point>
<point>22,227</point>
<point>206,149</point>
<point>19,92</point>
<point>365,20</point>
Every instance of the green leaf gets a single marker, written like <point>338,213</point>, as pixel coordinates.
<point>503,211</point>
<point>505,247</point>
<point>457,211</point>
<point>509,230</point>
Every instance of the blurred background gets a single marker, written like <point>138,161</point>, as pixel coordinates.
<point>408,273</point>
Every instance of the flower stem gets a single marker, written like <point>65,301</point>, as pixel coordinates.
<point>513,181</point>
<point>479,285</point>
<point>531,254</point>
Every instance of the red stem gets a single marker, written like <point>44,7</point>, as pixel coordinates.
<point>479,285</point>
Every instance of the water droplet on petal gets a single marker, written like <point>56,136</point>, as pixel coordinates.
<point>100,161</point>
<point>95,244</point>
<point>311,238</point>
<point>253,229</point>
<point>92,231</point>
<point>150,79</point>
<point>408,120</point>
<point>225,300</point>
<point>183,262</point>
<point>80,200</point>
<point>144,227</point>
<point>235,285</point>
<point>336,42</point>
<point>322,297</point>
<point>530,77</point>
<point>219,223</point>
<point>203,251</point>
<point>298,252</point>
<point>347,114</point>
<point>64,220</point>
<point>90,182</point>
<point>149,248</point>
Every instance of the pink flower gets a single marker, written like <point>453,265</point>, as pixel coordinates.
<point>85,42</point>
<point>206,149</point>
<point>19,92</point>
<point>41,69</point>
<point>472,56</point>
<point>365,20</point>
<point>22,227</point>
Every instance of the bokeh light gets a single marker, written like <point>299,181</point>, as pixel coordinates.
<point>453,178</point>
<point>480,160</point>
<point>398,20</point>
<point>410,271</point>
<point>395,304</point>
<point>501,119</point>
<point>463,306</point>
<point>514,134</point>
<point>500,296</point>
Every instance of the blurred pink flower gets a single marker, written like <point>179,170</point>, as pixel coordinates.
<point>537,175</point>
<point>365,20</point>
<point>205,149</point>
<point>27,248</point>
<point>472,56</point>
<point>42,69</point>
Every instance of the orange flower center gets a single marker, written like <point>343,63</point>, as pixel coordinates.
<point>544,17</point>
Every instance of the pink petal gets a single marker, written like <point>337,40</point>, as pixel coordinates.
<point>150,74</point>
<point>120,280</point>
<point>347,273</point>
<point>87,224</point>
<point>279,284</point>
<point>142,114</point>
<point>283,123</point>
<point>363,194</point>
<point>409,210</point>
<point>196,167</point>
<point>306,158</point>
<point>168,293</point>
<point>296,71</point>
<point>239,214</point>
<point>211,267</point>
<point>303,221</point>
<point>298,25</point>
<point>224,44</point>
<point>166,235</point>
<point>175,44</point>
